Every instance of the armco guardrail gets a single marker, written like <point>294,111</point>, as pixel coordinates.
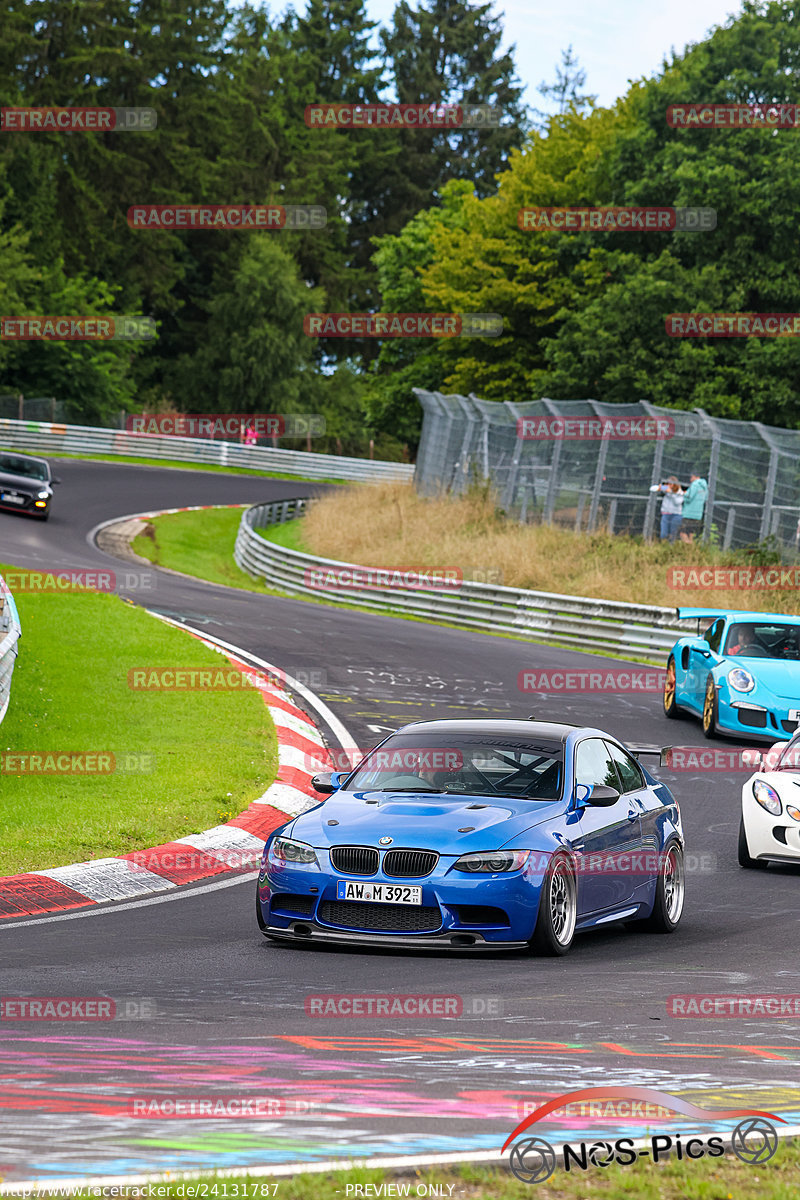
<point>47,437</point>
<point>10,631</point>
<point>643,630</point>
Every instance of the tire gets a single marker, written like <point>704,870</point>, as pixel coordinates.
<point>710,706</point>
<point>670,889</point>
<point>558,909</point>
<point>43,516</point>
<point>671,709</point>
<point>743,851</point>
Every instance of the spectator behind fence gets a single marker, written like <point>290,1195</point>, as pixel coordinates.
<point>671,508</point>
<point>694,506</point>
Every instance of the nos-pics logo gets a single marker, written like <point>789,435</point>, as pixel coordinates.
<point>533,1160</point>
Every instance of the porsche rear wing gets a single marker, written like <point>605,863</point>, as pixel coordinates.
<point>662,753</point>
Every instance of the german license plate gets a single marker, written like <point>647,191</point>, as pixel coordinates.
<point>794,714</point>
<point>6,499</point>
<point>378,893</point>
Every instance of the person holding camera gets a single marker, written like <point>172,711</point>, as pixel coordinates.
<point>671,507</point>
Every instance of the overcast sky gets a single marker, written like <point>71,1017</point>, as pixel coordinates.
<point>613,42</point>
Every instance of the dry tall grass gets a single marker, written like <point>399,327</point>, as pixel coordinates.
<point>388,525</point>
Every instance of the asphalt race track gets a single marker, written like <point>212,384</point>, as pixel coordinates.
<point>226,1008</point>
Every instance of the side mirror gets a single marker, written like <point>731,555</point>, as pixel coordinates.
<point>752,758</point>
<point>55,479</point>
<point>603,797</point>
<point>326,783</point>
<point>599,796</point>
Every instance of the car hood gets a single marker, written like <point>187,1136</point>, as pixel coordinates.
<point>430,822</point>
<point>22,483</point>
<point>781,676</point>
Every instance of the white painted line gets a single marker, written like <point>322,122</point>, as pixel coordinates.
<point>108,879</point>
<point>115,908</point>
<point>332,721</point>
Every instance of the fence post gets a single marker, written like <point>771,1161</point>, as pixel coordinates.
<point>648,527</point>
<point>598,485</point>
<point>713,467</point>
<point>513,470</point>
<point>772,476</point>
<point>726,543</point>
<point>555,462</point>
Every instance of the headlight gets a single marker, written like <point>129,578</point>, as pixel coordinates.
<point>741,680</point>
<point>42,495</point>
<point>793,812</point>
<point>284,851</point>
<point>767,797</point>
<point>488,862</point>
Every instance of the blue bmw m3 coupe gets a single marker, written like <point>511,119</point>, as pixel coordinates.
<point>478,835</point>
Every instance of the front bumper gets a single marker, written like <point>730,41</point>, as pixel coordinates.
<point>309,931</point>
<point>770,837</point>
<point>766,718</point>
<point>458,911</point>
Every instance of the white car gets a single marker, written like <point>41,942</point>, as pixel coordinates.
<point>769,830</point>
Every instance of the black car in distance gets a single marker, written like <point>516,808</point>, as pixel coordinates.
<point>26,484</point>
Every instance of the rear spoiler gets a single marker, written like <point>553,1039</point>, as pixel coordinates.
<point>662,753</point>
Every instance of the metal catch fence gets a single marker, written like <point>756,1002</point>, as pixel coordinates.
<point>753,470</point>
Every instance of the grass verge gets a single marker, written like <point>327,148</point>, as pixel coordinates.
<point>702,1179</point>
<point>198,543</point>
<point>183,760</point>
<point>378,525</point>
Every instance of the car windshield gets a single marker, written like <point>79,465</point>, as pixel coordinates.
<point>760,639</point>
<point>15,464</point>
<point>789,759</point>
<point>464,764</point>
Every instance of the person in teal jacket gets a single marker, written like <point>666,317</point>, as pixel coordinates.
<point>694,506</point>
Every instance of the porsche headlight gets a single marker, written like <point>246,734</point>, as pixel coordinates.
<point>285,851</point>
<point>741,680</point>
<point>491,862</point>
<point>767,797</point>
<point>42,495</point>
